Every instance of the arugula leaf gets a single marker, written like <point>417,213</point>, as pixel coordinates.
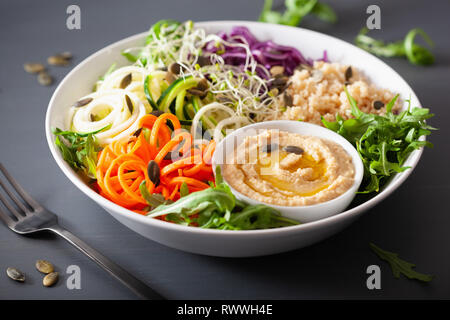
<point>415,53</point>
<point>153,200</point>
<point>184,190</point>
<point>217,208</point>
<point>400,266</point>
<point>324,12</point>
<point>130,57</point>
<point>383,142</point>
<point>295,11</point>
<point>80,151</point>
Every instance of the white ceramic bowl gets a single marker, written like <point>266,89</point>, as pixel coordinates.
<point>300,213</point>
<point>80,80</point>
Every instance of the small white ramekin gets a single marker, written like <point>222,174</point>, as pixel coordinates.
<point>300,213</point>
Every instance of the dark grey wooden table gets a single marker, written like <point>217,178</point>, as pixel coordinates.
<point>414,221</point>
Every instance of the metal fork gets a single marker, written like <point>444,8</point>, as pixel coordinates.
<point>27,216</point>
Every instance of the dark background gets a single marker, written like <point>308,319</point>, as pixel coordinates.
<point>414,221</point>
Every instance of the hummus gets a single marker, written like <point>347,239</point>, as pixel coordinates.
<point>289,169</point>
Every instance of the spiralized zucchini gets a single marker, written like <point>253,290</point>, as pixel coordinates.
<point>110,110</point>
<point>138,75</point>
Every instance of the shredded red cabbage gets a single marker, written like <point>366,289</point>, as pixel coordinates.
<point>266,53</point>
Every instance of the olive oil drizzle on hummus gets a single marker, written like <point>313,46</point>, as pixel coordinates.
<point>305,161</point>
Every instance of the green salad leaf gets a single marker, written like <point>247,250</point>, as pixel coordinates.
<point>162,28</point>
<point>415,53</point>
<point>295,11</point>
<point>400,266</point>
<point>218,208</point>
<point>79,150</point>
<point>383,142</point>
<point>153,199</point>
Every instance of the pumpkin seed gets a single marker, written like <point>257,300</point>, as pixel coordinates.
<point>33,67</point>
<point>44,78</point>
<point>293,149</point>
<point>223,98</point>
<point>203,61</point>
<point>287,98</point>
<point>277,70</point>
<point>157,113</point>
<point>378,104</point>
<point>50,279</point>
<point>269,147</point>
<point>137,132</point>
<point>303,67</point>
<point>153,172</point>
<point>82,102</point>
<point>129,103</point>
<point>170,77</point>
<point>15,274</point>
<point>57,60</point>
<point>66,55</point>
<point>280,82</point>
<point>126,81</point>
<point>196,92</point>
<point>175,68</point>
<point>172,155</point>
<point>348,73</point>
<point>44,266</point>
<point>202,85</point>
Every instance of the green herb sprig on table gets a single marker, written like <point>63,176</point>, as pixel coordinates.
<point>217,208</point>
<point>295,11</point>
<point>79,150</point>
<point>415,53</point>
<point>400,266</point>
<point>383,142</point>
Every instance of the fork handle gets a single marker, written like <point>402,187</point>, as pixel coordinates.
<point>134,284</point>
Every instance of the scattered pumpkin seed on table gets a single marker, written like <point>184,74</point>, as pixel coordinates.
<point>44,266</point>
<point>50,279</point>
<point>33,67</point>
<point>45,79</point>
<point>58,60</point>
<point>15,274</point>
<point>66,55</point>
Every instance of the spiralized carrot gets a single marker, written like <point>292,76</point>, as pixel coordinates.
<point>122,165</point>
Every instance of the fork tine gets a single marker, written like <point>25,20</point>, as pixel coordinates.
<point>14,198</point>
<point>10,207</point>
<point>6,219</point>
<point>26,197</point>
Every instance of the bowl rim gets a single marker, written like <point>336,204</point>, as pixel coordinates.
<point>414,157</point>
<point>333,137</point>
